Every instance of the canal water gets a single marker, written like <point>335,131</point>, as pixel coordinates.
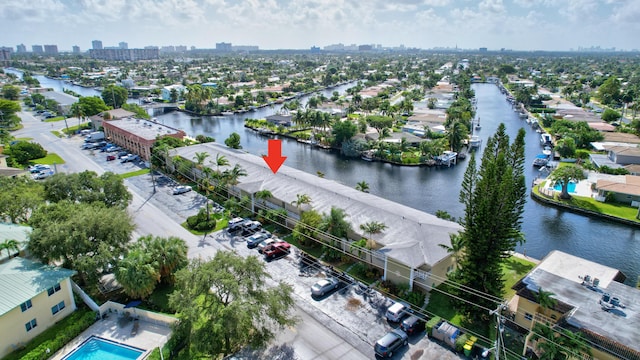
<point>433,189</point>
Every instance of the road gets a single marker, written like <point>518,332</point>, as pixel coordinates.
<point>310,339</point>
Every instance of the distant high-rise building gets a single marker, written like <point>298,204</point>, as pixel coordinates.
<point>181,48</point>
<point>193,47</point>
<point>315,49</point>
<point>168,48</point>
<point>7,48</point>
<point>5,55</point>
<point>123,45</point>
<point>223,47</point>
<point>37,49</point>
<point>124,54</point>
<point>151,47</point>
<point>365,48</point>
<point>20,49</point>
<point>483,49</point>
<point>76,49</point>
<point>51,49</point>
<point>96,44</point>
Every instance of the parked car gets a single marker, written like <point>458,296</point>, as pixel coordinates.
<point>391,342</point>
<point>397,311</point>
<point>111,157</point>
<point>250,228</point>
<point>414,324</point>
<point>129,157</point>
<point>34,169</point>
<point>122,153</point>
<point>42,175</point>
<point>181,189</point>
<point>265,243</point>
<point>257,238</point>
<point>324,286</point>
<point>235,224</point>
<point>278,248</point>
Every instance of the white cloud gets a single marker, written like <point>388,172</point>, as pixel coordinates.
<point>31,11</point>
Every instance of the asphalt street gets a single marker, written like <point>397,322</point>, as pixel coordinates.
<point>340,325</point>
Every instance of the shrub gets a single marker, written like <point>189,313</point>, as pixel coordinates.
<point>388,287</point>
<point>200,222</point>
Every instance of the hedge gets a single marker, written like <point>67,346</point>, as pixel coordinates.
<point>56,337</point>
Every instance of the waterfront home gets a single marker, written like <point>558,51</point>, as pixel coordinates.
<point>165,92</point>
<point>590,299</point>
<point>280,120</point>
<point>616,156</point>
<point>624,189</point>
<point>33,297</point>
<point>407,252</point>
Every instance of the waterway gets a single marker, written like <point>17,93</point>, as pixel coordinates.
<point>433,189</point>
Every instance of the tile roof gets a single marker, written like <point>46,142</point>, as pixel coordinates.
<point>22,279</point>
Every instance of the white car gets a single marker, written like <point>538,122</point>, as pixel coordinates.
<point>181,189</point>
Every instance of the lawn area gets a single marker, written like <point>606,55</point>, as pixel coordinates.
<point>50,159</point>
<point>588,203</point>
<point>221,223</point>
<point>134,173</point>
<point>24,139</point>
<point>159,299</point>
<point>514,269</point>
<point>55,119</point>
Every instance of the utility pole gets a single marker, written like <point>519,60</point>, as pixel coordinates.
<point>498,345</point>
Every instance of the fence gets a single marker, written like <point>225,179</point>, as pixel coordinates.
<point>149,316</point>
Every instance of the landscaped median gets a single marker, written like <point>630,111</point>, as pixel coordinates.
<point>589,206</point>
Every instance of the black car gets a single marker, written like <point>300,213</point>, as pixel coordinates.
<point>413,325</point>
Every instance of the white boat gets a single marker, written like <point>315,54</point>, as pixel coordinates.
<point>447,158</point>
<point>547,151</point>
<point>475,141</point>
<point>545,139</point>
<point>541,160</point>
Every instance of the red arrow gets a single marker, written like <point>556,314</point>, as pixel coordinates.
<point>274,156</point>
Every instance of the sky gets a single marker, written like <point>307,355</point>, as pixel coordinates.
<point>300,24</point>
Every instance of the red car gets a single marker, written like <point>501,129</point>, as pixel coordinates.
<point>111,157</point>
<point>276,249</point>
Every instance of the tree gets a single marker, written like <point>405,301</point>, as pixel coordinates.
<point>494,196</point>
<point>566,147</point>
<point>88,187</point>
<point>610,115</point>
<point>362,186</point>
<point>225,304</point>
<point>335,223</point>
<point>301,200</point>
<point>23,151</point>
<point>306,229</point>
<point>10,92</point>
<point>168,255</point>
<point>457,132</point>
<point>343,131</point>
<point>379,122</point>
<point>455,247</point>
<point>10,245</point>
<point>233,141</point>
<point>92,105</point>
<point>545,300</point>
<point>84,237</point>
<point>19,198</point>
<point>372,228</point>
<point>564,175</point>
<point>263,195</point>
<point>137,274</point>
<point>114,96</point>
<point>609,91</point>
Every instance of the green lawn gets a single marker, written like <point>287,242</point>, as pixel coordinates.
<point>513,270</point>
<point>50,159</point>
<point>55,119</point>
<point>134,173</point>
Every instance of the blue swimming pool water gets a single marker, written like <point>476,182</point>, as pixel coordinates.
<point>571,187</point>
<point>99,349</point>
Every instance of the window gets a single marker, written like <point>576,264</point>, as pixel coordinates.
<point>528,316</point>
<point>31,324</point>
<point>54,289</point>
<point>26,305</point>
<point>57,308</point>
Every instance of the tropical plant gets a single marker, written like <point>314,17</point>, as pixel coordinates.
<point>564,175</point>
<point>455,247</point>
<point>10,245</point>
<point>137,273</point>
<point>301,200</point>
<point>372,228</point>
<point>362,186</point>
<point>335,223</point>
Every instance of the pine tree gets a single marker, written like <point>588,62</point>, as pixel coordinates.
<point>494,196</point>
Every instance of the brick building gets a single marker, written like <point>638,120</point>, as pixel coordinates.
<point>137,135</point>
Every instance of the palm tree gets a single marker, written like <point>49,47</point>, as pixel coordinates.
<point>221,160</point>
<point>362,186</point>
<point>372,228</point>
<point>456,247</point>
<point>545,342</point>
<point>232,176</point>
<point>170,254</point>
<point>262,195</point>
<point>200,157</point>
<point>137,274</point>
<point>545,301</point>
<point>335,223</point>
<point>301,199</point>
<point>9,245</point>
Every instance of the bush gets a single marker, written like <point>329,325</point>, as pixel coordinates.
<point>23,151</point>
<point>619,171</point>
<point>200,222</point>
<point>387,286</point>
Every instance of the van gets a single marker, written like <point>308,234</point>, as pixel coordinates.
<point>397,311</point>
<point>413,325</point>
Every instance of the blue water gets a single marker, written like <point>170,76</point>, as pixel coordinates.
<point>571,187</point>
<point>100,349</point>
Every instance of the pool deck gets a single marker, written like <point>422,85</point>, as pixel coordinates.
<point>116,328</point>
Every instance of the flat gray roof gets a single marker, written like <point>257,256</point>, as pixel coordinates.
<point>411,237</point>
<point>62,98</point>
<point>145,129</point>
<point>559,273</point>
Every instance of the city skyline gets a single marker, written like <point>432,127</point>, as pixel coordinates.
<point>299,24</point>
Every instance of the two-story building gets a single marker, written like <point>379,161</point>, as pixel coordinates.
<point>138,135</point>
<point>33,297</point>
<point>590,299</point>
<point>408,251</point>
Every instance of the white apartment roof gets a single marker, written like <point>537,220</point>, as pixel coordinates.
<point>407,228</point>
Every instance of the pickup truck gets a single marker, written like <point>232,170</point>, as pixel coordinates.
<point>276,249</point>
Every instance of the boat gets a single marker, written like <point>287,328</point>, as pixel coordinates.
<point>367,155</point>
<point>475,141</point>
<point>545,139</point>
<point>547,151</point>
<point>227,113</point>
<point>541,160</point>
<point>447,158</point>
<point>477,127</point>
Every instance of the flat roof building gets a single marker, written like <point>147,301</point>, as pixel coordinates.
<point>138,135</point>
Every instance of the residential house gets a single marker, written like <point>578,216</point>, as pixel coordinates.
<point>616,155</point>
<point>15,232</point>
<point>408,251</point>
<point>280,120</point>
<point>33,297</point>
<point>624,189</point>
<point>590,299</point>
<point>64,100</point>
<point>10,171</point>
<point>165,92</point>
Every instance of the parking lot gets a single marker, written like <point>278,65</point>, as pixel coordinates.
<point>355,315</point>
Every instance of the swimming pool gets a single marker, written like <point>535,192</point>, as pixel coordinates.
<point>570,188</point>
<point>95,348</point>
